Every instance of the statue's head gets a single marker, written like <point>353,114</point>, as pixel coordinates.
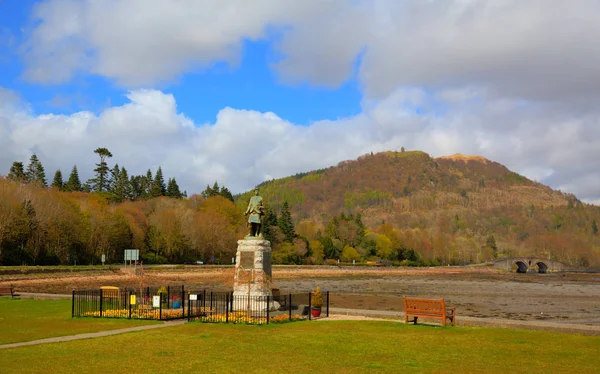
<point>256,191</point>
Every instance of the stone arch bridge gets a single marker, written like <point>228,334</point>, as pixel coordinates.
<point>529,265</point>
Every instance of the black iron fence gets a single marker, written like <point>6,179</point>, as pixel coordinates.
<point>204,306</point>
<point>226,307</point>
<point>163,303</point>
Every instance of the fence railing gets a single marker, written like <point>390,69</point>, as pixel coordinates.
<point>205,306</point>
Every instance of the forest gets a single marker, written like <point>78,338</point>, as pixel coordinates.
<point>403,207</point>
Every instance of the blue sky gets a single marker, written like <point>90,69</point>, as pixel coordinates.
<point>240,91</point>
<point>201,94</point>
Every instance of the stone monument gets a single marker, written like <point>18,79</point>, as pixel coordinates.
<point>252,280</point>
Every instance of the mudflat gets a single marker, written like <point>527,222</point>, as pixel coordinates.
<point>475,291</point>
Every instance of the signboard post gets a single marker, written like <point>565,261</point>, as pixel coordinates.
<point>132,255</point>
<point>103,259</point>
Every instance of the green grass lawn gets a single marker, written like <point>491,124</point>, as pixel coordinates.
<point>309,346</point>
<point>28,319</point>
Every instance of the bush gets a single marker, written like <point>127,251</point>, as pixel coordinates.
<point>317,298</point>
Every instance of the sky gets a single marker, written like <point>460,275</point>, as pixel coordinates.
<point>241,91</point>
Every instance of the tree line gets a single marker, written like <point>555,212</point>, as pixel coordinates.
<point>114,182</point>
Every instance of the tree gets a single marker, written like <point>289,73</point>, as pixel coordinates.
<point>226,193</point>
<point>17,172</point>
<point>57,182</point>
<point>147,185</point>
<point>114,178</point>
<point>158,184</point>
<point>594,227</point>
<point>211,191</point>
<point>285,223</point>
<point>73,184</point>
<point>35,172</point>
<point>491,243</point>
<point>100,183</point>
<point>173,189</point>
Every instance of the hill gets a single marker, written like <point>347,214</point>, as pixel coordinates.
<point>452,209</point>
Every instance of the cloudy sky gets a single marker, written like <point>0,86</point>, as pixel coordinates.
<point>241,91</point>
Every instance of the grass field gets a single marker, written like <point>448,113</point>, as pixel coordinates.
<point>300,347</point>
<point>27,319</point>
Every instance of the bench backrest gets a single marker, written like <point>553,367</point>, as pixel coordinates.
<point>434,306</point>
<point>6,289</point>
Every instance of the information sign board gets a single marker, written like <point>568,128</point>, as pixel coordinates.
<point>132,255</point>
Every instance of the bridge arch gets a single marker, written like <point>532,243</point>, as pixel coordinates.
<point>522,267</point>
<point>542,267</point>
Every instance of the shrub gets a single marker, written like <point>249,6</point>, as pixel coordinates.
<point>317,298</point>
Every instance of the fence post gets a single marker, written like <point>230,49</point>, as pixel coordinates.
<point>268,309</point>
<point>290,305</point>
<point>182,300</point>
<point>101,302</point>
<point>160,306</point>
<point>189,307</point>
<point>309,305</point>
<point>168,297</point>
<point>73,304</point>
<point>327,303</point>
<point>227,308</point>
<point>137,301</point>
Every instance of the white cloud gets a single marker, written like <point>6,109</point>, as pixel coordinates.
<point>244,147</point>
<point>516,81</point>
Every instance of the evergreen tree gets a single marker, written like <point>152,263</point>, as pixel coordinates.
<point>173,189</point>
<point>226,193</point>
<point>35,172</point>
<point>17,172</point>
<point>114,179</point>
<point>147,185</point>
<point>124,187</point>
<point>57,182</point>
<point>136,185</point>
<point>158,184</point>
<point>269,221</point>
<point>100,182</point>
<point>87,187</point>
<point>211,191</point>
<point>286,224</point>
<point>594,227</point>
<point>73,184</point>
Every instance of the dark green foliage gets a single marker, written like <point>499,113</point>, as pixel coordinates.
<point>173,189</point>
<point>73,184</point>
<point>57,182</point>
<point>286,224</point>
<point>101,181</point>
<point>269,222</point>
<point>147,185</point>
<point>158,184</point>
<point>594,227</point>
<point>329,249</point>
<point>17,172</point>
<point>35,172</point>
<point>215,190</point>
<point>120,186</point>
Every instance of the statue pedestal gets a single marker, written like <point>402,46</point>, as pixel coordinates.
<point>252,280</point>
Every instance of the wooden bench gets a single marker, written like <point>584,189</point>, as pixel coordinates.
<point>427,308</point>
<point>8,290</point>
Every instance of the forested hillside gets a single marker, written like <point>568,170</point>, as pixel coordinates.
<point>404,207</point>
<point>407,206</point>
<point>47,226</point>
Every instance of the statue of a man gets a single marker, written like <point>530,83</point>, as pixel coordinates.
<point>255,212</point>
